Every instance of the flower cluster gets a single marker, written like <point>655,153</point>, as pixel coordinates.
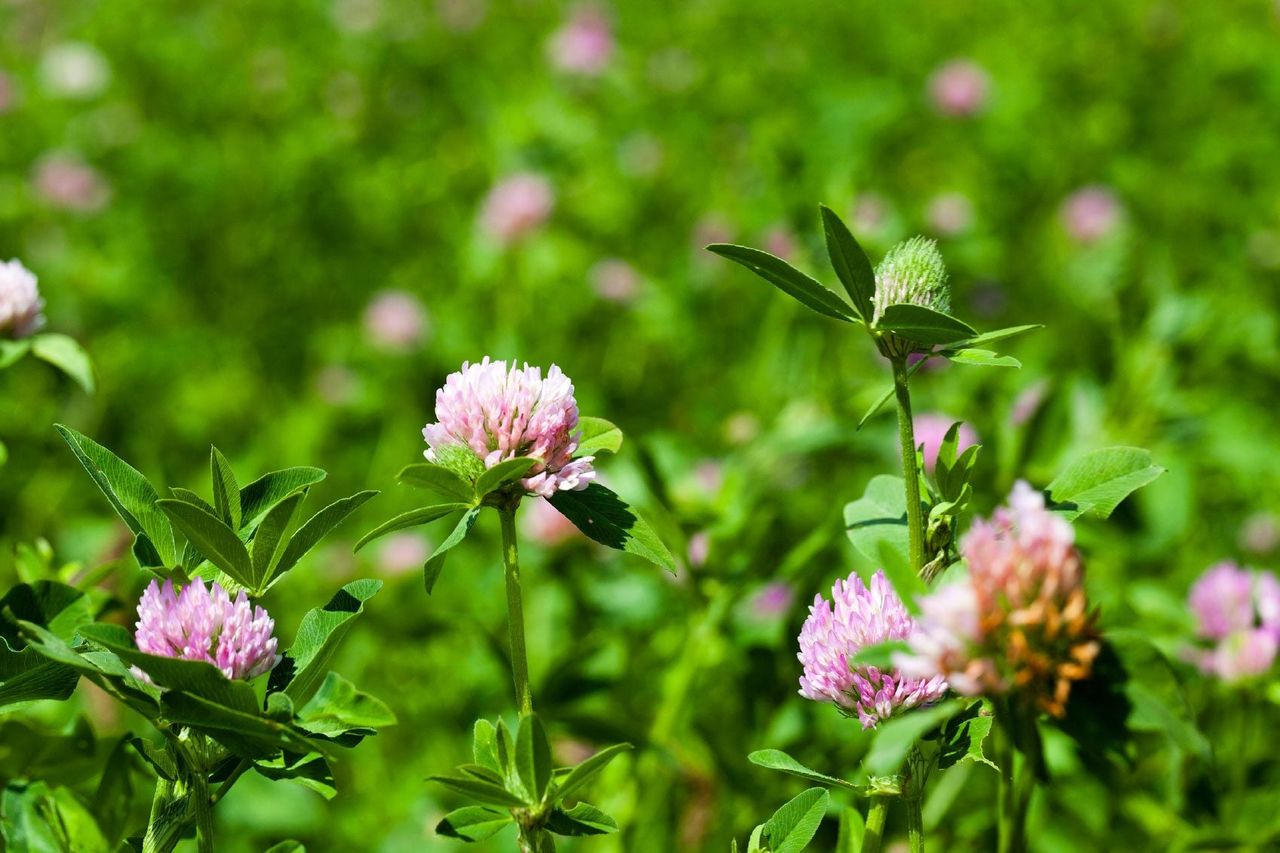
<point>1020,620</point>
<point>205,624</point>
<point>1238,611</point>
<point>862,616</point>
<point>489,413</point>
<point>20,302</point>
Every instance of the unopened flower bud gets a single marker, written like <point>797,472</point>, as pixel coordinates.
<point>912,272</point>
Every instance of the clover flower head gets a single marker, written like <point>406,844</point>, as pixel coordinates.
<point>20,302</point>
<point>912,272</point>
<point>488,412</point>
<point>1238,612</point>
<point>959,88</point>
<point>859,616</point>
<point>205,624</point>
<point>517,205</point>
<point>585,44</point>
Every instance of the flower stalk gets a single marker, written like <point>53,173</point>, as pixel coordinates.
<point>877,815</point>
<point>515,608</point>
<point>910,470</point>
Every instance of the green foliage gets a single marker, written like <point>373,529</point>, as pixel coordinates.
<point>788,279</point>
<point>1097,482</point>
<point>607,519</point>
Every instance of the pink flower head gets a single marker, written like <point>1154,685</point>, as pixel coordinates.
<point>699,548</point>
<point>204,624</point>
<point>395,320</point>
<point>1238,611</point>
<point>517,205</point>
<point>20,302</point>
<point>68,183</point>
<point>950,214</point>
<point>1241,655</point>
<point>772,600</point>
<point>1222,601</point>
<point>959,88</point>
<point>861,617</point>
<point>499,413</point>
<point>615,280</point>
<point>1020,619</point>
<point>1091,213</point>
<point>584,45</point>
<point>931,429</point>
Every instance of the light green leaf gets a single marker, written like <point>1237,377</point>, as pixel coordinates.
<point>584,772</point>
<point>473,823</point>
<point>316,528</point>
<point>851,263</point>
<point>894,738</point>
<point>339,707</point>
<point>412,518</point>
<point>43,819</point>
<point>12,351</point>
<point>533,758</point>
<point>435,563</point>
<point>67,355</point>
<point>853,830</point>
<point>776,759</point>
<point>129,493</point>
<point>607,519</point>
<point>216,541</point>
<point>598,436</point>
<point>877,525</point>
<point>982,357</point>
<point>504,472</point>
<point>484,746</point>
<point>438,479</point>
<point>226,492</point>
<point>788,279</point>
<point>1097,482</point>
<point>793,826</point>
<point>300,671</point>
<point>924,325</point>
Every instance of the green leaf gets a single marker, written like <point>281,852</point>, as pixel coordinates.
<point>850,262</point>
<point>339,707</point>
<point>776,759</point>
<point>607,519</point>
<point>894,738</point>
<point>793,826</point>
<point>4,453</point>
<point>435,563</point>
<point>311,771</point>
<point>477,789</point>
<point>289,846</point>
<point>67,355</point>
<point>265,492</point>
<point>129,493</point>
<point>788,279</point>
<point>503,473</point>
<point>316,528</point>
<point>853,830</point>
<point>598,436</point>
<point>266,542</point>
<point>43,819</point>
<point>113,798</point>
<point>484,746</point>
<point>300,671</point>
<point>226,491</point>
<point>438,479</point>
<point>584,772</point>
<point>12,351</point>
<point>982,357</point>
<point>582,819</point>
<point>963,737</point>
<point>473,823</point>
<point>888,394</point>
<point>924,325</point>
<point>42,680</point>
<point>998,335</point>
<point>412,518</point>
<point>533,758</point>
<point>1099,481</point>
<point>217,542</point>
<point>877,525</point>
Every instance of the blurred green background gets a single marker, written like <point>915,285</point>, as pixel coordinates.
<point>277,227</point>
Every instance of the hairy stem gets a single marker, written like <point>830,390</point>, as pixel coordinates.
<point>910,471</point>
<point>202,806</point>
<point>515,610</point>
<point>877,814</point>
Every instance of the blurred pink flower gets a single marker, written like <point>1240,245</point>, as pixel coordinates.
<point>1222,601</point>
<point>773,600</point>
<point>862,616</point>
<point>516,205</point>
<point>498,413</point>
<point>959,88</point>
<point>1260,533</point>
<point>711,228</point>
<point>950,214</point>
<point>20,302</point>
<point>584,45</point>
<point>709,475</point>
<point>403,552</point>
<point>780,242</point>
<point>615,279</point>
<point>1091,213</point>
<point>66,182</point>
<point>205,624</point>
<point>699,548</point>
<point>931,428</point>
<point>1027,403</point>
<point>544,524</point>
<point>1241,655</point>
<point>395,320</point>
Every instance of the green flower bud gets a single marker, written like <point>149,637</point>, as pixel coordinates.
<point>461,460</point>
<point>912,272</point>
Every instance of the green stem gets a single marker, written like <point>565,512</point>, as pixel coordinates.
<point>915,825</point>
<point>877,814</point>
<point>239,771</point>
<point>515,610</point>
<point>202,806</point>
<point>910,472</point>
<point>912,797</point>
<point>161,835</point>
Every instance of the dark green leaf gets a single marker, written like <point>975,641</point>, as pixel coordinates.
<point>265,492</point>
<point>412,518</point>
<point>598,436</point>
<point>607,519</point>
<point>582,819</point>
<point>316,528</point>
<point>42,819</point>
<point>226,491</point>
<point>503,473</point>
<point>311,771</point>
<point>584,772</point>
<point>217,542</point>
<point>533,757</point>
<point>851,264</point>
<point>129,493</point>
<point>776,759</point>
<point>998,335</point>
<point>435,563</point>
<point>924,325</point>
<point>473,823</point>
<point>477,789</point>
<point>788,279</point>
<point>1099,481</point>
<point>289,846</point>
<point>793,826</point>
<point>438,479</point>
<point>304,665</point>
<point>114,797</point>
<point>266,542</point>
<point>67,355</point>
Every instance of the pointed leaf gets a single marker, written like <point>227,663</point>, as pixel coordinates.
<point>607,519</point>
<point>582,819</point>
<point>316,528</point>
<point>226,491</point>
<point>584,772</point>
<point>982,358</point>
<point>894,738</point>
<point>598,436</point>
<point>412,518</point>
<point>776,759</point>
<point>216,541</point>
<point>265,492</point>
<point>266,542</point>
<point>477,789</point>
<point>435,563</point>
<point>439,479</point>
<point>533,757</point>
<point>12,351</point>
<point>788,279</point>
<point>924,325</point>
<point>793,826</point>
<point>503,473</point>
<point>877,525</point>
<point>304,665</point>
<point>473,823</point>
<point>998,335</point>
<point>851,264</point>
